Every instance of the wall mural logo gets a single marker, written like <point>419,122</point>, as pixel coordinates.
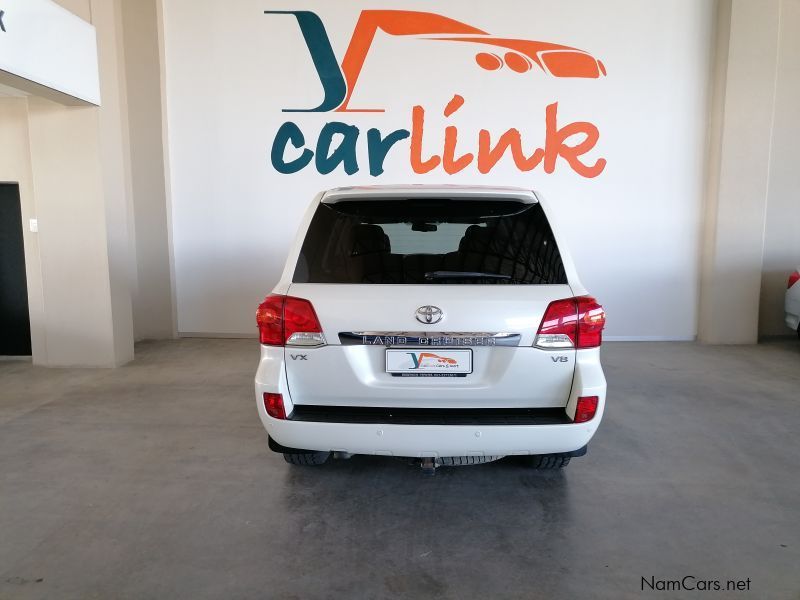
<point>339,82</point>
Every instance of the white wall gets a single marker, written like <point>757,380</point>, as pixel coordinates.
<point>781,237</point>
<point>753,208</point>
<point>633,230</point>
<point>115,165</point>
<point>15,167</point>
<point>79,317</point>
<point>71,167</point>
<point>738,198</point>
<point>153,316</point>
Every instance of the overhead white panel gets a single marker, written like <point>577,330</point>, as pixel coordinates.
<point>44,44</point>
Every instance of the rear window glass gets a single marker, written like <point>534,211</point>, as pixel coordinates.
<point>430,241</point>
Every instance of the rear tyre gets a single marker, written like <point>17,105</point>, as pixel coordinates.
<point>549,461</point>
<point>306,459</point>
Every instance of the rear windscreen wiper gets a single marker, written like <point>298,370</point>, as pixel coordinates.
<point>464,275</point>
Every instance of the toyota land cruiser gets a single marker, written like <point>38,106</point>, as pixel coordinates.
<point>441,323</point>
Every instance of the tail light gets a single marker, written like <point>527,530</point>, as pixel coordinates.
<point>586,409</point>
<point>572,323</point>
<point>274,405</point>
<point>288,321</point>
<point>793,278</point>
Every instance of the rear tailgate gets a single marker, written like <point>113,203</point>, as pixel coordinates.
<point>354,373</point>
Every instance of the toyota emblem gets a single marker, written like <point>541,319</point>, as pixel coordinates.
<point>429,314</point>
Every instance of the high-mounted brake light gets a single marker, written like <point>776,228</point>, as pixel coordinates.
<point>793,278</point>
<point>288,321</point>
<point>572,323</point>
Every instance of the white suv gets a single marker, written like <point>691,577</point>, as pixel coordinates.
<point>441,323</point>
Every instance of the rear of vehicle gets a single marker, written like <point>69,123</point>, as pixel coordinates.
<point>431,323</point>
<point>793,302</point>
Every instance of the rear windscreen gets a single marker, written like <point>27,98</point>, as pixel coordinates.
<point>426,241</point>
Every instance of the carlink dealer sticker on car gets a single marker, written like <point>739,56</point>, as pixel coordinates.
<point>425,363</point>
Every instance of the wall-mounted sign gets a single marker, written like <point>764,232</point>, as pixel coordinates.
<point>45,47</point>
<point>338,141</point>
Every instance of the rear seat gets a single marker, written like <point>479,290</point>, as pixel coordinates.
<point>372,257</point>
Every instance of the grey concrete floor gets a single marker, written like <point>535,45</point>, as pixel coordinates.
<point>155,481</point>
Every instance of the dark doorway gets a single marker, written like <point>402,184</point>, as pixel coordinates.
<point>15,322</point>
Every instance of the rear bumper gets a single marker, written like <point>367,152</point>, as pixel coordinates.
<point>793,321</point>
<point>431,440</point>
<point>792,306</point>
<point>418,440</point>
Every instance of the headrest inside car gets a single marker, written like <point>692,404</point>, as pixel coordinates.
<point>476,239</point>
<point>369,239</point>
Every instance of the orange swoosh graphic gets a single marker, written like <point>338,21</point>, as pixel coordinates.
<point>520,56</point>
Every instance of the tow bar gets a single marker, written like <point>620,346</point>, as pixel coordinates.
<point>428,464</point>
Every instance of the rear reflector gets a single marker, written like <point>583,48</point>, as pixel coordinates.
<point>286,320</point>
<point>572,323</point>
<point>793,278</point>
<point>274,405</point>
<point>586,409</point>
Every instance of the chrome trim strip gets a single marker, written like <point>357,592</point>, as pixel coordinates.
<point>426,338</point>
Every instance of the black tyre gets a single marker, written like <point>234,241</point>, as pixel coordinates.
<point>306,458</point>
<point>549,461</point>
